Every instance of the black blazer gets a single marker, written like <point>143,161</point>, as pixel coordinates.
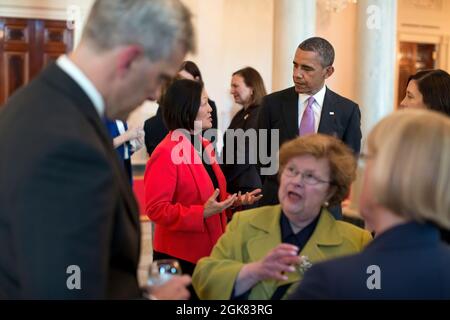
<point>244,176</point>
<point>155,129</point>
<point>64,198</point>
<point>413,264</point>
<point>340,117</point>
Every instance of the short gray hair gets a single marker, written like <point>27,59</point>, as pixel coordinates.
<point>322,47</point>
<point>156,25</point>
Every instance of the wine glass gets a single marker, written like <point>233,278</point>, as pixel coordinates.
<point>162,270</point>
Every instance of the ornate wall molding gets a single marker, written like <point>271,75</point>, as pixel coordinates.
<point>428,4</point>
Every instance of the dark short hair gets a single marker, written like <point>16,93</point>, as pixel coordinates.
<point>434,85</point>
<point>322,47</point>
<point>253,79</point>
<point>181,103</point>
<point>191,68</point>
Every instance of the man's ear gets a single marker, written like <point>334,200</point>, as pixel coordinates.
<point>126,56</point>
<point>329,72</point>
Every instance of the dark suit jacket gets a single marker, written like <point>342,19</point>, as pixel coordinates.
<point>155,129</point>
<point>64,198</point>
<point>340,118</point>
<point>241,176</point>
<point>413,264</point>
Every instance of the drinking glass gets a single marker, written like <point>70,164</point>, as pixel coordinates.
<point>162,270</point>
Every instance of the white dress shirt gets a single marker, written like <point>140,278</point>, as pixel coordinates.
<point>316,107</point>
<point>86,85</point>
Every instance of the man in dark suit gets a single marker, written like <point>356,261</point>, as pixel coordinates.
<point>308,107</point>
<point>69,225</point>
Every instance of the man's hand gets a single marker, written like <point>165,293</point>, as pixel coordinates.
<point>173,289</point>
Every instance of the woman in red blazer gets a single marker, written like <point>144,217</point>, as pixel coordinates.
<point>185,188</point>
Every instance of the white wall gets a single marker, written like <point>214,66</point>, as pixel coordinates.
<point>340,29</point>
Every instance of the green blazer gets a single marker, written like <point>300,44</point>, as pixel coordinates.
<point>251,234</point>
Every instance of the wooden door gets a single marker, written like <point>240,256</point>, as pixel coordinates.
<point>26,47</point>
<point>414,57</point>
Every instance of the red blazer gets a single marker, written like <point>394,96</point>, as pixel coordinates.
<point>176,187</point>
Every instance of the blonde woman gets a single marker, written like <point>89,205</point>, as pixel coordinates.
<point>405,198</point>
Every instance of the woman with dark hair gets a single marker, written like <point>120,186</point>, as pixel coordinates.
<point>155,129</point>
<point>189,70</point>
<point>247,88</point>
<point>185,190</point>
<point>428,89</point>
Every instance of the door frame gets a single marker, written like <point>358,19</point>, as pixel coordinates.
<point>51,10</point>
<point>439,39</point>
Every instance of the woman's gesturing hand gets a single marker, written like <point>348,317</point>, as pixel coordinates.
<point>212,206</point>
<point>248,198</point>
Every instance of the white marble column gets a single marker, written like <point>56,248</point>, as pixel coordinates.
<point>375,70</point>
<point>375,64</point>
<point>294,21</point>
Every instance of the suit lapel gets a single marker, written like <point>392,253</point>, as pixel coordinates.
<point>289,112</point>
<point>58,78</point>
<point>328,123</point>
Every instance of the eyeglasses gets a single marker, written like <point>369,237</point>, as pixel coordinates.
<point>307,177</point>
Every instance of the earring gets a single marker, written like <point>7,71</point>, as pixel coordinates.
<point>326,204</point>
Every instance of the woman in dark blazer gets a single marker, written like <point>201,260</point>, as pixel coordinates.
<point>247,89</point>
<point>185,190</point>
<point>404,200</point>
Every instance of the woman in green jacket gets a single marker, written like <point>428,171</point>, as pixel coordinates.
<point>266,250</point>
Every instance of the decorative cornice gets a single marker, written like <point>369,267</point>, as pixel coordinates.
<point>428,4</point>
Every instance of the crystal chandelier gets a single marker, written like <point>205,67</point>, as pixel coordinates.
<point>337,5</point>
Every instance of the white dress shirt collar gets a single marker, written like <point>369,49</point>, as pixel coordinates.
<point>318,97</point>
<point>86,85</point>
<point>317,106</point>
